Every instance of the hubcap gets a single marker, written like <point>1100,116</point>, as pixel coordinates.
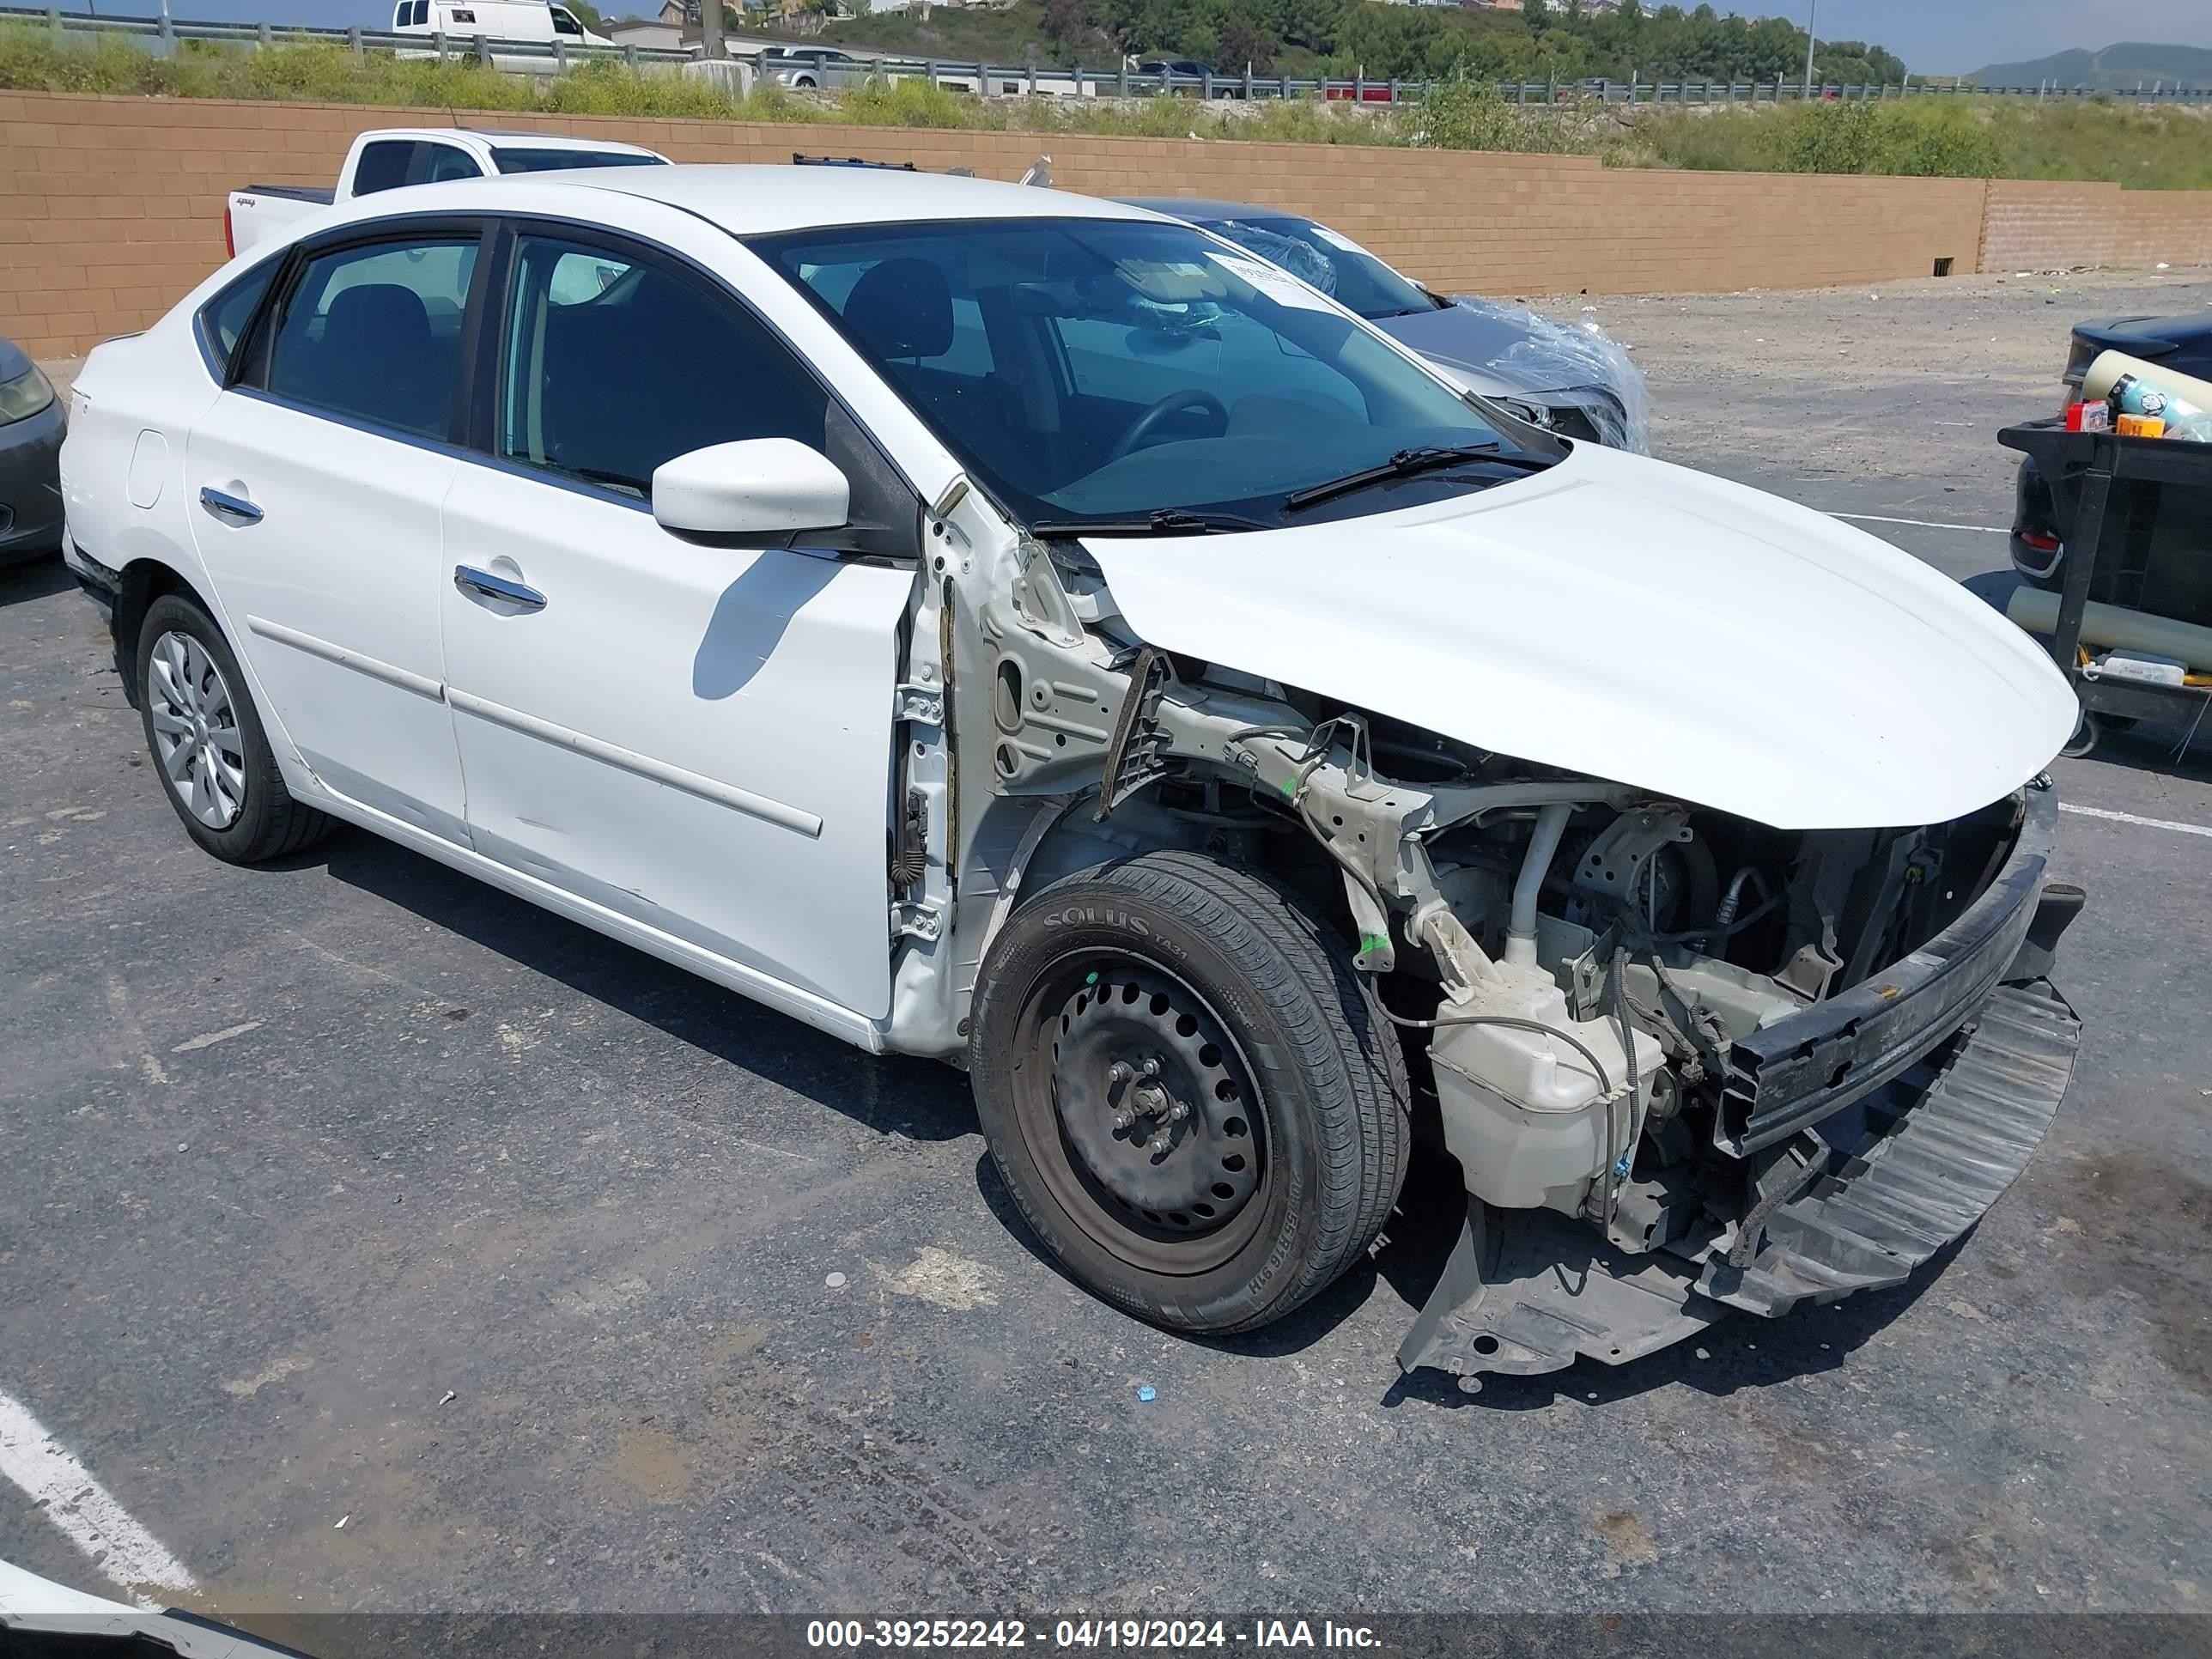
<point>196,736</point>
<point>1155,1102</point>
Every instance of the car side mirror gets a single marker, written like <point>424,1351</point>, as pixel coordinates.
<point>756,487</point>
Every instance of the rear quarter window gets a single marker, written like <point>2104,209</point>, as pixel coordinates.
<point>221,321</point>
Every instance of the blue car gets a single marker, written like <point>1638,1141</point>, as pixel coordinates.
<point>1573,380</point>
<point>32,423</point>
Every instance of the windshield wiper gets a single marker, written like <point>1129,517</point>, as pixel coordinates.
<point>1428,457</point>
<point>1168,521</point>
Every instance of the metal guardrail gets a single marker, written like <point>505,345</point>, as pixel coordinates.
<point>159,35</point>
<point>998,80</point>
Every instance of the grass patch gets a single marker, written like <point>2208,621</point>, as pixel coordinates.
<point>2161,147</point>
<point>2164,146</point>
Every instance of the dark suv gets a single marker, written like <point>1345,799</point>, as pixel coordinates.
<point>1184,74</point>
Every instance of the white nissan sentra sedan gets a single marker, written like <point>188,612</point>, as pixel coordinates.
<point>1006,626</point>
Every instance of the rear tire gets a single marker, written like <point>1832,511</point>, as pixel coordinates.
<point>205,738</point>
<point>1269,1140</point>
<point>2087,732</point>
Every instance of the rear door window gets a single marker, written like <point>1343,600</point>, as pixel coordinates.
<point>374,334</point>
<point>443,161</point>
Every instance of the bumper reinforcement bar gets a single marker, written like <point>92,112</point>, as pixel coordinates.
<point>1529,1291</point>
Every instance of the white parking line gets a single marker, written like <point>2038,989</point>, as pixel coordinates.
<point>2129,818</point>
<point>91,1519</point>
<point>1921,524</point>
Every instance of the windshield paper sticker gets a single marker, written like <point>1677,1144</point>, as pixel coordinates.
<point>1284,290</point>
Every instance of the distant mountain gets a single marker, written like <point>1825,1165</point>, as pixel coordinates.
<point>2116,68</point>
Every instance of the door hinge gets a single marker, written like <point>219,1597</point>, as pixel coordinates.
<point>921,705</point>
<point>921,920</point>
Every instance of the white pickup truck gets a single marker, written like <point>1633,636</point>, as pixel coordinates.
<point>386,158</point>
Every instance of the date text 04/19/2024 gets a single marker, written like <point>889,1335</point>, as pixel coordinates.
<point>1110,1634</point>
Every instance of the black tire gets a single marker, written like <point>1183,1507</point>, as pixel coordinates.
<point>2087,732</point>
<point>1248,1001</point>
<point>269,823</point>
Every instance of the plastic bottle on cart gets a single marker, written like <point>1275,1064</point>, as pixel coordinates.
<point>2183,420</point>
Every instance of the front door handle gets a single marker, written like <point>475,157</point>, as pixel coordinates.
<point>225,505</point>
<point>469,579</point>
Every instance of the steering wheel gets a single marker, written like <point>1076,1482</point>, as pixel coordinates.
<point>1174,403</point>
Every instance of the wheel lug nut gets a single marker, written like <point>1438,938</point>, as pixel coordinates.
<point>1152,1068</point>
<point>1158,1144</point>
<point>1117,1073</point>
<point>1122,1120</point>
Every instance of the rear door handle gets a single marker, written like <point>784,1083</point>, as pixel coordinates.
<point>224,505</point>
<point>469,579</point>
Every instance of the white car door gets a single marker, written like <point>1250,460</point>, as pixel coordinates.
<point>696,737</point>
<point>319,480</point>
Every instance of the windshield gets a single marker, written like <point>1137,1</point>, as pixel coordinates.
<point>558,160</point>
<point>1106,369</point>
<point>1334,264</point>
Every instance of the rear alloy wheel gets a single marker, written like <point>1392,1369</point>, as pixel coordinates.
<point>1193,1099</point>
<point>194,721</point>
<point>207,744</point>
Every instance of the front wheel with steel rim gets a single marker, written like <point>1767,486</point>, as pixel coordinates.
<point>1190,1095</point>
<point>206,739</point>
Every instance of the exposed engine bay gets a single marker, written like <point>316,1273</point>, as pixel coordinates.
<point>1574,959</point>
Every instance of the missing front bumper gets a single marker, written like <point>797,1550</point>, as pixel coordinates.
<point>1529,1291</point>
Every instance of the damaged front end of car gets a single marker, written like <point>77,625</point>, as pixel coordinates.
<point>1685,1062</point>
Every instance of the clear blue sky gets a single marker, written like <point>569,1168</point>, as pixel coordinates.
<point>1935,37</point>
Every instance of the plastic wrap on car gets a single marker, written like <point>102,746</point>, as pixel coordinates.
<point>1551,355</point>
<point>1301,261</point>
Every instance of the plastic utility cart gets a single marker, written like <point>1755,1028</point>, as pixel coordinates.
<point>2117,501</point>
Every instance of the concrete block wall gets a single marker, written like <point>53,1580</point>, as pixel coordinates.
<point>110,208</point>
<point>2034,225</point>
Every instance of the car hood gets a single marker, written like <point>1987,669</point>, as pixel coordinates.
<point>13,360</point>
<point>1488,348</point>
<point>1634,622</point>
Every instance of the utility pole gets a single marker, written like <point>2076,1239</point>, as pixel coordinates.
<point>1812,36</point>
<point>710,29</point>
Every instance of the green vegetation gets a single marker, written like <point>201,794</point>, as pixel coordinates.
<point>1918,136</point>
<point>321,73</point>
<point>967,35</point>
<point>2164,146</point>
<point>1303,37</point>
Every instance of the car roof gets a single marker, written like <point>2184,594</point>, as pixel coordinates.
<point>750,200</point>
<point>497,140</point>
<point>1191,207</point>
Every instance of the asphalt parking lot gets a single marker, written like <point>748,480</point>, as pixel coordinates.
<point>348,1189</point>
